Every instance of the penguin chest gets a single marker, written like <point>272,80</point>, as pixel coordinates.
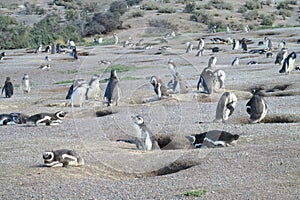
<point>78,96</point>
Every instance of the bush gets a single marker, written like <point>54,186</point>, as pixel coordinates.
<point>162,24</point>
<point>150,6</point>
<point>138,13</point>
<point>133,2</point>
<point>284,13</point>
<point>267,20</point>
<point>190,7</point>
<point>220,4</point>
<point>166,10</point>
<point>251,15</point>
<point>118,6</point>
<point>252,4</point>
<point>202,17</point>
<point>283,5</point>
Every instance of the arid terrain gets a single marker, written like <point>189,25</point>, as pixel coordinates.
<point>263,165</point>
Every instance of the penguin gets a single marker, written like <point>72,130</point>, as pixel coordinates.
<point>79,94</point>
<point>288,63</point>
<point>268,44</point>
<point>58,48</point>
<point>2,55</point>
<point>48,49</point>
<point>173,69</point>
<point>228,30</point>
<point>25,83</point>
<point>116,38</point>
<point>74,54</point>
<point>212,139</point>
<point>158,87</point>
<point>212,61</point>
<point>220,76</point>
<point>281,55</point>
<point>207,80</point>
<point>215,49</point>
<point>201,44</point>
<point>145,140</point>
<point>236,44</point>
<point>73,87</point>
<point>112,91</point>
<point>62,158</point>
<point>189,47</point>
<point>47,66</point>
<point>281,44</point>
<point>8,88</point>
<point>47,58</point>
<point>179,84</point>
<point>48,119</point>
<point>246,28</point>
<point>256,107</point>
<point>94,87</point>
<point>226,106</point>
<point>235,61</point>
<point>19,118</point>
<point>38,50</point>
<point>269,54</point>
<point>251,62</point>
<point>6,119</point>
<point>244,45</point>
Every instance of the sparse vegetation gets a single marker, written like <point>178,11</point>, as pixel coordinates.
<point>149,6</point>
<point>267,20</point>
<point>138,13</point>
<point>166,10</point>
<point>194,193</point>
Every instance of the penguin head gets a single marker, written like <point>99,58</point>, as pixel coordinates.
<point>48,156</point>
<point>95,77</point>
<point>113,73</point>
<point>60,114</point>
<point>153,81</point>
<point>138,119</point>
<point>25,76</point>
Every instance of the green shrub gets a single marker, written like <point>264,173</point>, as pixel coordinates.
<point>267,20</point>
<point>283,5</point>
<point>201,17</point>
<point>190,7</point>
<point>133,2</point>
<point>252,4</point>
<point>220,4</point>
<point>166,10</point>
<point>251,15</point>
<point>118,6</point>
<point>284,13</point>
<point>138,13</point>
<point>150,6</point>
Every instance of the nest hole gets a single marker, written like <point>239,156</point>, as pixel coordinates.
<point>281,119</point>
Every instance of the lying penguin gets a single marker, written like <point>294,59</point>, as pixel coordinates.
<point>13,118</point>
<point>62,158</point>
<point>46,118</point>
<point>212,139</point>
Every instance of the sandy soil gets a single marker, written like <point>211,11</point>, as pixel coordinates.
<point>263,165</point>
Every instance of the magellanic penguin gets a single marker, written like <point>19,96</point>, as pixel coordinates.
<point>93,92</point>
<point>79,94</point>
<point>236,44</point>
<point>8,88</point>
<point>2,55</point>
<point>228,30</point>
<point>288,63</point>
<point>38,50</point>
<point>145,140</point>
<point>112,91</point>
<point>173,69</point>
<point>235,62</point>
<point>189,47</point>
<point>76,83</point>
<point>281,55</point>
<point>179,84</point>
<point>13,118</point>
<point>220,77</point>
<point>116,38</point>
<point>62,158</point>
<point>207,81</point>
<point>268,44</point>
<point>213,138</point>
<point>25,84</point>
<point>159,87</point>
<point>6,119</point>
<point>48,119</point>
<point>226,106</point>
<point>244,45</point>
<point>257,108</point>
<point>200,47</point>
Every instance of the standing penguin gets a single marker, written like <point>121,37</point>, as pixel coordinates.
<point>288,63</point>
<point>159,87</point>
<point>236,44</point>
<point>226,106</point>
<point>8,88</point>
<point>189,47</point>
<point>179,84</point>
<point>116,38</point>
<point>200,47</point>
<point>173,69</point>
<point>73,87</point>
<point>281,55</point>
<point>257,108</point>
<point>207,81</point>
<point>268,44</point>
<point>235,62</point>
<point>244,45</point>
<point>79,94</point>
<point>25,84</point>
<point>94,88</point>
<point>62,158</point>
<point>145,140</point>
<point>112,91</point>
<point>38,50</point>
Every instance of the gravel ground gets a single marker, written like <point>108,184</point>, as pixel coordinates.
<point>263,165</point>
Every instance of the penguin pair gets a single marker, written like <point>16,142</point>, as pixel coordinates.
<point>159,87</point>
<point>288,63</point>
<point>8,88</point>
<point>48,119</point>
<point>112,91</point>
<point>226,106</point>
<point>256,107</point>
<point>13,118</point>
<point>62,158</point>
<point>212,139</point>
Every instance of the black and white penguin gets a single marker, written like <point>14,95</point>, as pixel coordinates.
<point>93,92</point>
<point>201,44</point>
<point>112,91</point>
<point>8,88</point>
<point>288,63</point>
<point>281,55</point>
<point>173,69</point>
<point>2,55</point>
<point>244,45</point>
<point>73,87</point>
<point>236,44</point>
<point>48,119</point>
<point>268,44</point>
<point>226,106</point>
<point>189,47</point>
<point>206,81</point>
<point>281,44</point>
<point>6,119</point>
<point>235,62</point>
<point>74,54</point>
<point>256,107</point>
<point>48,49</point>
<point>220,77</point>
<point>252,62</point>
<point>213,138</point>
<point>212,61</point>
<point>145,140</point>
<point>159,87</point>
<point>228,30</point>
<point>116,38</point>
<point>38,49</point>
<point>79,93</point>
<point>215,49</point>
<point>19,118</point>
<point>62,158</point>
<point>25,84</point>
<point>179,84</point>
